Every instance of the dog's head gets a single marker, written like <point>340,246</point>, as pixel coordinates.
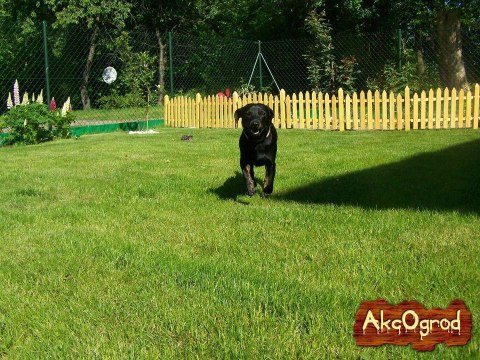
<point>256,119</point>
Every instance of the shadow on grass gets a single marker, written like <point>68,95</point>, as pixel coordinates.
<point>232,188</point>
<point>445,180</point>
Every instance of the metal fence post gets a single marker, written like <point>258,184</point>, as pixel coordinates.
<point>260,65</point>
<point>45,53</point>
<point>399,48</point>
<point>170,55</point>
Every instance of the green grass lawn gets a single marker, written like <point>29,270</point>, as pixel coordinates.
<point>146,247</point>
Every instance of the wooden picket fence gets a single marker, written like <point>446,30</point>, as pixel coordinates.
<point>435,109</point>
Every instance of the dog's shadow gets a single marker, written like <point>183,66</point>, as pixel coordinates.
<point>232,188</point>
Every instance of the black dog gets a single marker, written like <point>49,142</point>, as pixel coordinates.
<point>258,145</point>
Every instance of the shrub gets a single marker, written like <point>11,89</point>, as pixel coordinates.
<point>117,101</point>
<point>34,123</point>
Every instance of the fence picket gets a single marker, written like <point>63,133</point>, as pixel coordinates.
<point>438,108</point>
<point>461,108</point>
<point>301,106</point>
<point>369,110</point>
<point>430,109</point>
<point>476,105</point>
<point>308,110</point>
<point>327,112</point>
<point>399,113</point>
<point>391,104</point>
<point>314,110</point>
<point>446,118</point>
<point>348,119</point>
<point>334,113</point>
<point>341,110</point>
<point>384,110</point>
<point>355,111</point>
<point>453,109</point>
<point>468,110</point>
<point>415,111</point>
<point>423,109</point>
<point>377,110</point>
<point>321,117</point>
<point>295,111</point>
<point>282,109</point>
<point>288,104</point>
<point>407,108</point>
<point>363,118</point>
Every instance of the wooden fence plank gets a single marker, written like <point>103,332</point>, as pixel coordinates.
<point>476,105</point>
<point>321,116</point>
<point>295,111</point>
<point>399,112</point>
<point>348,118</point>
<point>468,109</point>
<point>423,109</point>
<point>446,118</point>
<point>282,109</point>
<point>438,109</point>
<point>407,108</point>
<point>288,111</point>
<point>314,110</point>
<point>430,109</point>
<point>341,110</point>
<point>308,110</point>
<point>301,107</point>
<point>369,110</point>
<point>453,109</point>
<point>415,111</point>
<point>391,114</point>
<point>384,110</point>
<point>377,110</point>
<point>461,108</point>
<point>328,117</point>
<point>363,117</point>
<point>355,111</point>
<point>334,113</point>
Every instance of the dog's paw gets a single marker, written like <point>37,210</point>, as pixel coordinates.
<point>268,189</point>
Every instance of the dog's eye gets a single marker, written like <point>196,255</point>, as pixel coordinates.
<point>262,113</point>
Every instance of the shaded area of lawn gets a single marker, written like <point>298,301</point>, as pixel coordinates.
<point>443,180</point>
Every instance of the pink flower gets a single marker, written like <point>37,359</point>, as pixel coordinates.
<point>53,104</point>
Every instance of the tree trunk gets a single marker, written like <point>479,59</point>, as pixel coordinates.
<point>452,67</point>
<point>161,67</point>
<point>419,55</point>
<point>87,70</point>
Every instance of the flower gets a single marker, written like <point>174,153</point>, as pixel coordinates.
<point>53,104</point>
<point>16,94</point>
<point>9,101</point>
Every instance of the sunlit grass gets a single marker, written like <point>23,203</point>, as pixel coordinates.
<point>117,245</point>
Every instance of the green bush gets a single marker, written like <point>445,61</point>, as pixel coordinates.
<point>117,101</point>
<point>34,123</point>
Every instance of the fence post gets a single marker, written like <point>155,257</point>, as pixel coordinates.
<point>260,65</point>
<point>170,56</point>
<point>45,54</point>
<point>399,32</point>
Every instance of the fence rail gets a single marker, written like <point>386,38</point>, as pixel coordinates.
<point>435,109</point>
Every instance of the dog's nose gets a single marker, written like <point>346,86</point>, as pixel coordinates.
<point>255,124</point>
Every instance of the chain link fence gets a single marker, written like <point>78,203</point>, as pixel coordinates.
<point>150,65</point>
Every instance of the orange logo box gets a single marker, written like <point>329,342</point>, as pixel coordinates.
<point>378,323</point>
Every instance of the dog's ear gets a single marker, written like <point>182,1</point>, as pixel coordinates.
<point>270,114</point>
<point>238,114</point>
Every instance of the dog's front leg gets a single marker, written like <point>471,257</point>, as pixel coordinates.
<point>269,177</point>
<point>247,170</point>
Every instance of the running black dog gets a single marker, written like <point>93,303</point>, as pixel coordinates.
<point>258,145</point>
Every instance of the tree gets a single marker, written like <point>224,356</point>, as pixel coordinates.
<point>92,15</point>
